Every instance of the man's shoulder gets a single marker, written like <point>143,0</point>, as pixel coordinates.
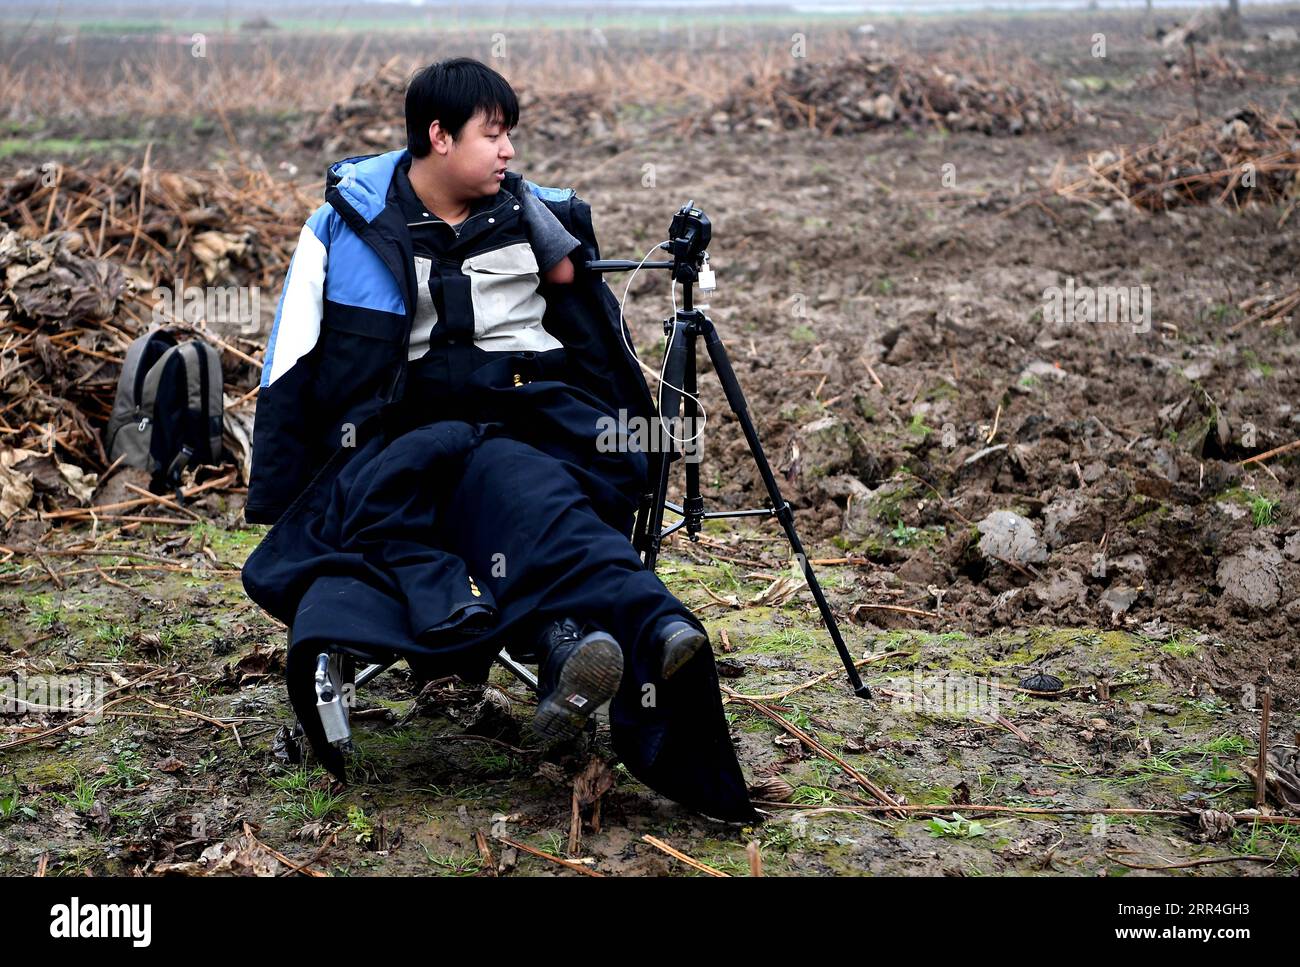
<point>323,222</point>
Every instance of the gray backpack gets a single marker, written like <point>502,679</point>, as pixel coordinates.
<point>169,408</point>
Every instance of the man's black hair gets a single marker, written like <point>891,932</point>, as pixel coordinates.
<point>451,92</point>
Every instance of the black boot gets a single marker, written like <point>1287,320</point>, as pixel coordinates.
<point>576,674</point>
<point>678,643</point>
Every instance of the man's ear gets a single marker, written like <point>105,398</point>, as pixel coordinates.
<point>438,138</point>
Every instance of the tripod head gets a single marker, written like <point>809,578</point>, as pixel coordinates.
<point>690,233</point>
<point>688,240</point>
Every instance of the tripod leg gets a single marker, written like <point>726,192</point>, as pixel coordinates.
<point>736,399</point>
<point>692,502</point>
<point>680,343</point>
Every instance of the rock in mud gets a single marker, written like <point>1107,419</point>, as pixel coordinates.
<point>1061,590</point>
<point>1252,580</point>
<point>1131,564</point>
<point>1119,598</point>
<point>1292,547</point>
<point>1070,520</point>
<point>1010,538</point>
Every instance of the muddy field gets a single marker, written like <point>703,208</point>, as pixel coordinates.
<point>987,494</point>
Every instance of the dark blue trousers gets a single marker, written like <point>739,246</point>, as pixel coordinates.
<point>472,521</point>
<point>540,516</point>
<point>530,528</point>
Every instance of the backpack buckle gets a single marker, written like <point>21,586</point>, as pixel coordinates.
<point>177,465</point>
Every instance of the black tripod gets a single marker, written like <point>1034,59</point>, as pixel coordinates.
<point>689,236</point>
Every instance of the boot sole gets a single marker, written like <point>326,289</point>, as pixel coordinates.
<point>588,679</point>
<point>680,648</point>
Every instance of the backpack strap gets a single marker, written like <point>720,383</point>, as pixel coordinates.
<point>149,389</point>
<point>203,384</point>
<point>216,409</point>
<point>127,404</point>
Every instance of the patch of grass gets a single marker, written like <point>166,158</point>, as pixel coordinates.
<point>1092,83</point>
<point>555,844</point>
<point>490,762</point>
<point>1263,511</point>
<point>1217,773</point>
<point>938,796</point>
<point>1211,705</point>
<point>373,751</point>
<point>730,865</point>
<point>306,801</point>
<point>472,793</point>
<point>1280,842</point>
<point>84,792</point>
<point>729,573</point>
<point>361,826</point>
<point>778,837</point>
<point>942,390</point>
<point>126,770</point>
<point>1200,763</point>
<point>1224,745</point>
<point>956,828</point>
<point>1221,313</point>
<point>798,717</point>
<point>785,641</point>
<point>813,796</point>
<point>113,635</point>
<point>10,807</point>
<point>44,613</point>
<point>886,505</point>
<point>906,536</point>
<point>1179,649</point>
<point>452,864</point>
<point>314,806</point>
<point>297,780</point>
<point>132,817</point>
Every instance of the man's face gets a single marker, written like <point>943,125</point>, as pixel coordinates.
<point>475,160</point>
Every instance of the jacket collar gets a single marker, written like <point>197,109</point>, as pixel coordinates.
<point>363,181</point>
<point>367,184</point>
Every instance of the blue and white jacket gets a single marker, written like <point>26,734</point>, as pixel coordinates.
<point>337,355</point>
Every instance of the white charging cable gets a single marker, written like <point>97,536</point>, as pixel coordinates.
<point>667,349</point>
